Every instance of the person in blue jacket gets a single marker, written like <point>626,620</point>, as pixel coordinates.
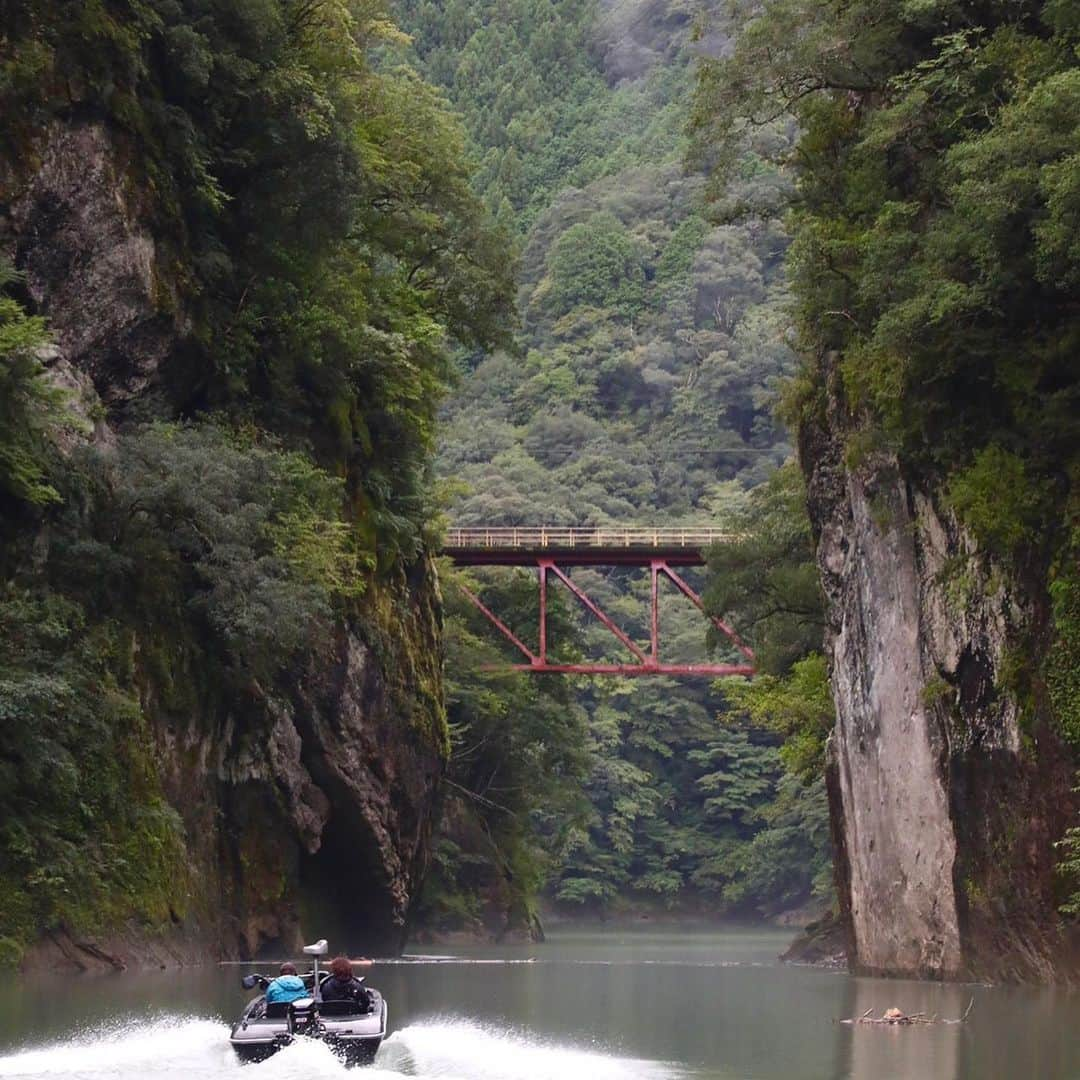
<point>288,986</point>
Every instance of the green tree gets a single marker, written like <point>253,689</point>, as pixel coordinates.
<point>597,264</point>
<point>934,265</point>
<point>316,229</point>
<point>31,408</point>
<point>649,349</point>
<point>764,580</point>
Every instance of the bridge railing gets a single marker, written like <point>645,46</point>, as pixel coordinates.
<point>546,536</point>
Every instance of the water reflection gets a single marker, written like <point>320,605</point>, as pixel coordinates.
<point>624,1006</point>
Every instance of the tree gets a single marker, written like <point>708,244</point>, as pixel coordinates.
<point>597,263</point>
<point>31,408</point>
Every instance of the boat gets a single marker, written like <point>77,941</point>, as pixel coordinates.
<point>354,1030</point>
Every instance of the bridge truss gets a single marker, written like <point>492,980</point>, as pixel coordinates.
<point>552,549</point>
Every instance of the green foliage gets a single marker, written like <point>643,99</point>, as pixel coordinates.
<point>935,226</point>
<point>765,581</point>
<point>517,761</point>
<point>252,536</point>
<point>650,344</point>
<point>31,409</point>
<point>997,500</point>
<point>316,228</point>
<point>190,558</point>
<point>798,706</point>
<point>676,262</point>
<point>536,103</point>
<point>1069,868</point>
<point>314,215</point>
<point>597,263</point>
<point>86,833</point>
<point>1062,663</point>
<point>689,812</point>
<point>790,858</point>
<point>935,260</point>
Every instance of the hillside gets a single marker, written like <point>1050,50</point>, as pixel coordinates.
<point>639,391</point>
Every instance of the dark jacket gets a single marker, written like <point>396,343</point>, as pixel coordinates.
<point>335,989</point>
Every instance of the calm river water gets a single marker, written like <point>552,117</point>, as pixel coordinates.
<point>594,1006</point>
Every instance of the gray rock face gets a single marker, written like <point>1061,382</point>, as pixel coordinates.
<point>632,36</point>
<point>316,805</point>
<point>900,842</point>
<point>308,806</point>
<point>944,812</point>
<point>80,233</point>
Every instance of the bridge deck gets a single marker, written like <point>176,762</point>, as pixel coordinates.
<point>522,546</point>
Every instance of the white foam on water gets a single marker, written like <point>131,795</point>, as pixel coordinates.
<point>150,1047</point>
<point>462,1050</point>
<point>194,1048</point>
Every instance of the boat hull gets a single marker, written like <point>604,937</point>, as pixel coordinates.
<point>355,1038</point>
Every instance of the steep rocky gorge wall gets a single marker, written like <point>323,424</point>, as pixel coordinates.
<point>947,788</point>
<point>321,790</point>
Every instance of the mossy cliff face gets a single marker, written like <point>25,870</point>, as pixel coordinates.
<point>319,784</point>
<point>323,793</point>
<point>948,786</point>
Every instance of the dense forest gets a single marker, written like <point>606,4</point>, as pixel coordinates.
<point>887,195</point>
<point>639,390</point>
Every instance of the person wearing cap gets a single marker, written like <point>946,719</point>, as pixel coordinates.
<point>288,986</point>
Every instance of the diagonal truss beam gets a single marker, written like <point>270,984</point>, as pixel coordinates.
<point>499,624</point>
<point>549,564</point>
<point>660,564</point>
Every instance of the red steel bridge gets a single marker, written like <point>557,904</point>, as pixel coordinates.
<point>550,549</point>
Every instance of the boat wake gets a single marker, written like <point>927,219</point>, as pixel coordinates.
<point>191,1047</point>
<point>460,1050</point>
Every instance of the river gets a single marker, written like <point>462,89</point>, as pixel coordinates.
<point>630,1005</point>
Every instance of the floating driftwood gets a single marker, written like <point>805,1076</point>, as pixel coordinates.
<point>895,1017</point>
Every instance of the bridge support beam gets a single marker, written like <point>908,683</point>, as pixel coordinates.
<point>543,613</point>
<point>647,664</point>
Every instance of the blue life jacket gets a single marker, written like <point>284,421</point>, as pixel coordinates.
<point>286,988</point>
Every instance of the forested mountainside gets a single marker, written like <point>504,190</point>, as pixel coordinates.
<point>233,256</point>
<point>934,267</point>
<point>649,348</point>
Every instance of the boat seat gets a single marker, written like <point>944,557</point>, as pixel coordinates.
<point>277,1010</point>
<point>340,1007</point>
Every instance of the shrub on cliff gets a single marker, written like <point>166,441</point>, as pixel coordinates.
<point>314,216</point>
<point>31,408</point>
<point>934,265</point>
<point>935,258</point>
<point>250,535</point>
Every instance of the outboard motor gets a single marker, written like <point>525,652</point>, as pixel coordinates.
<point>304,1012</point>
<point>303,1017</point>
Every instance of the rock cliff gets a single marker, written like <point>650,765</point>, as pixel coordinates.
<point>307,807</point>
<point>947,787</point>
